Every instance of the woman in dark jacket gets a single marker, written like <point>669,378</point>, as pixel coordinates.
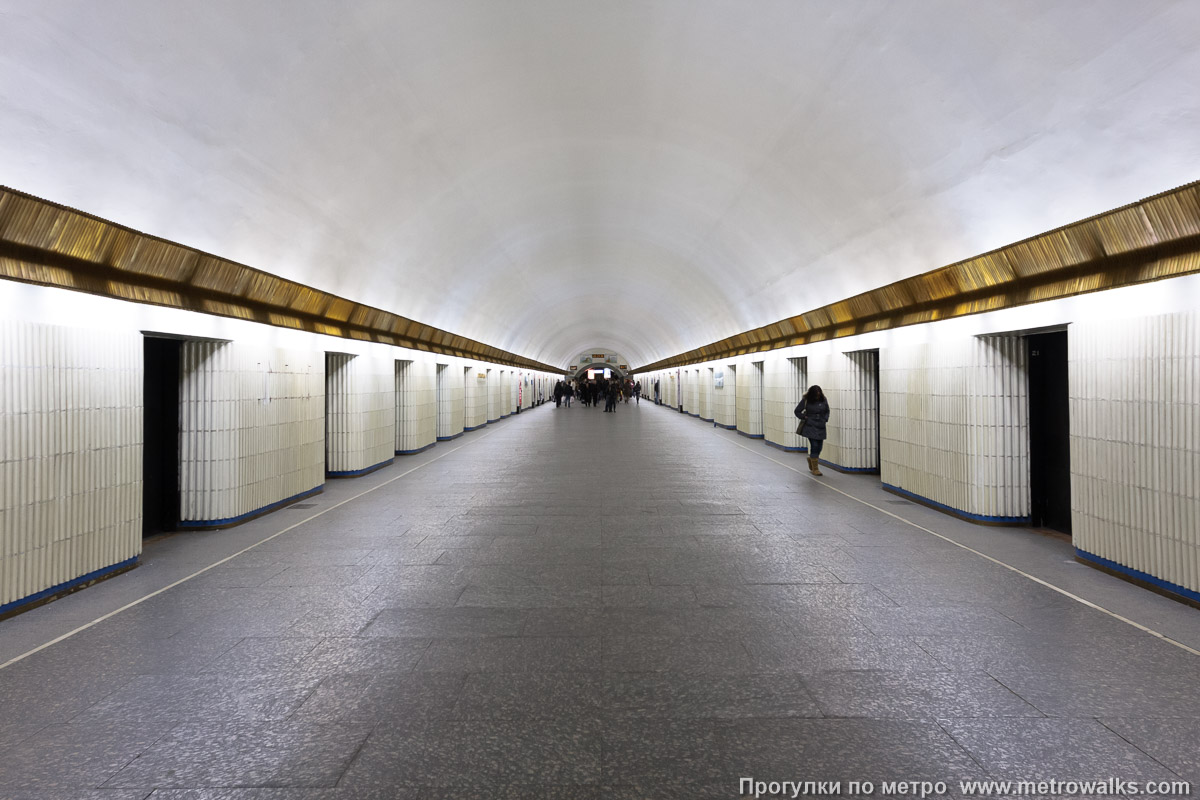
<point>813,412</point>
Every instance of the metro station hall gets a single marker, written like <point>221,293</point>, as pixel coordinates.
<point>611,400</point>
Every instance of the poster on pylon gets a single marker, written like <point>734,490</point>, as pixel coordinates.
<point>520,388</point>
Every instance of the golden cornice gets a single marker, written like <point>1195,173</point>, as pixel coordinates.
<point>1149,240</point>
<point>51,245</point>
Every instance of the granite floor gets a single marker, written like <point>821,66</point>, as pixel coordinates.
<point>573,604</point>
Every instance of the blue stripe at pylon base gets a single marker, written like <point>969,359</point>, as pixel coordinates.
<point>192,524</point>
<point>1136,574</point>
<point>967,515</point>
<point>725,427</point>
<point>751,435</point>
<point>357,473</point>
<point>475,427</point>
<point>414,452</point>
<point>67,586</point>
<point>449,438</point>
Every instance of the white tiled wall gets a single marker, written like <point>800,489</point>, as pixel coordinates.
<point>854,437</point>
<point>955,423</point>
<point>725,398</point>
<point>1135,443</point>
<point>450,408</point>
<point>70,454</point>
<point>750,401</point>
<point>252,423</point>
<point>251,428</point>
<point>360,422</point>
<point>494,401</point>
<point>742,393</point>
<point>783,385</point>
<point>475,396</point>
<point>416,413</point>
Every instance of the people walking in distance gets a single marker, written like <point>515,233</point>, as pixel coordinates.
<point>610,398</point>
<point>558,394</point>
<point>657,394</point>
<point>637,392</point>
<point>813,413</point>
<point>570,392</point>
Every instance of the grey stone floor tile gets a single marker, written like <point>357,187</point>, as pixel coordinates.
<point>37,694</point>
<point>513,792</point>
<point>412,595</point>
<point>652,790</point>
<point>1138,655</point>
<point>239,576</point>
<point>653,752</point>
<point>1060,749</point>
<point>259,655</point>
<point>257,794</point>
<point>69,758</point>
<point>784,572</point>
<point>95,658</point>
<point>680,696</point>
<point>648,596</point>
<point>317,576</point>
<point>564,622</point>
<point>77,794</point>
<point>836,597</point>
<point>844,750</point>
<point>1099,692</point>
<point>529,597</point>
<point>811,654</point>
<point>340,622</point>
<point>213,697</point>
<point>320,597</point>
<point>369,697</point>
<point>689,655</point>
<point>342,656</point>
<point>1170,742</point>
<point>946,620</point>
<point>244,622</point>
<point>452,541</point>
<point>662,638</point>
<point>440,575</point>
<point>404,556</point>
<point>447,622</point>
<point>479,752</point>
<point>13,733</point>
<point>550,576</point>
<point>294,554</point>
<point>513,654</point>
<point>530,695</point>
<point>911,694</point>
<point>691,573</point>
<point>277,754</point>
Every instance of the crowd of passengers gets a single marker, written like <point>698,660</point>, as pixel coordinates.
<point>590,392</point>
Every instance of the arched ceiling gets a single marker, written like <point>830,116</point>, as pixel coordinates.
<point>545,175</point>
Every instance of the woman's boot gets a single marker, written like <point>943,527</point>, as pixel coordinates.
<point>813,466</point>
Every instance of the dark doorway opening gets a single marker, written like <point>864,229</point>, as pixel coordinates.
<point>874,368</point>
<point>1049,432</point>
<point>160,435</point>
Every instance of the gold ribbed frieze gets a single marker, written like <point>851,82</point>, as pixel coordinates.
<point>51,245</point>
<point>1150,240</point>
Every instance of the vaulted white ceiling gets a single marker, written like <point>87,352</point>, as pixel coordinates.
<point>644,176</point>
